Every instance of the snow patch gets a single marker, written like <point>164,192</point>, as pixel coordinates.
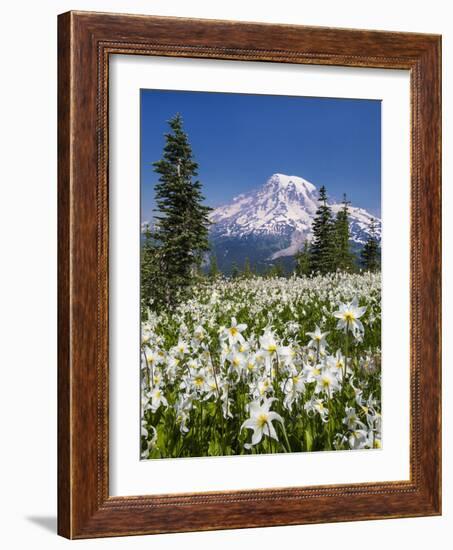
<point>284,205</point>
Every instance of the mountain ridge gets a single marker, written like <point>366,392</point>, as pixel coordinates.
<point>272,222</point>
<point>282,209</point>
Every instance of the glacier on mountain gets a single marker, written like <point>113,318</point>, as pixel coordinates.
<point>283,209</point>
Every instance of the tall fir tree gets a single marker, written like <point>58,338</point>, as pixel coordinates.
<point>302,259</point>
<point>182,219</point>
<point>322,249</point>
<point>247,269</point>
<point>235,273</point>
<point>371,255</point>
<point>213,266</point>
<point>344,259</point>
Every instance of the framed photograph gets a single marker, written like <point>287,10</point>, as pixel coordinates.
<point>249,275</point>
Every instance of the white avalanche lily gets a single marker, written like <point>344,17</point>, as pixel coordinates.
<point>143,429</point>
<point>157,399</point>
<point>199,333</point>
<point>237,362</point>
<point>316,406</point>
<point>200,365</point>
<point>291,388</point>
<point>260,421</point>
<point>264,386</point>
<point>234,332</point>
<point>336,364</point>
<point>285,354</point>
<point>348,315</point>
<point>352,420</point>
<point>268,342</point>
<point>150,443</point>
<point>311,372</point>
<point>327,383</point>
<point>318,339</point>
<point>182,347</point>
<point>358,439</point>
<point>152,357</point>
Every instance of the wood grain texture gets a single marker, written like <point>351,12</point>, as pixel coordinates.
<point>64,368</point>
<point>86,40</point>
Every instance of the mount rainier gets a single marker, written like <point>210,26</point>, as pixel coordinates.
<point>274,221</point>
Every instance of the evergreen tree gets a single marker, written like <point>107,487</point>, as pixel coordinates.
<point>247,268</point>
<point>182,219</point>
<point>344,259</point>
<point>370,254</point>
<point>235,270</point>
<point>276,270</point>
<point>302,259</point>
<point>213,266</point>
<point>322,249</point>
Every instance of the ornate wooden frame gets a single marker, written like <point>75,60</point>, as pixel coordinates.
<point>85,42</point>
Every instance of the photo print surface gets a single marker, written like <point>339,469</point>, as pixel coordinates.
<point>260,274</point>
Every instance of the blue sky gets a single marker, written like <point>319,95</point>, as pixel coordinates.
<point>240,140</point>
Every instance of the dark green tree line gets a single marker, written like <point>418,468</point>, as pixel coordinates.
<point>330,247</point>
<point>371,254</point>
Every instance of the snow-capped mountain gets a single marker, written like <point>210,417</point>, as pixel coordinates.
<point>277,216</point>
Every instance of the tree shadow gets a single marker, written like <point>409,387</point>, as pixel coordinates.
<point>49,523</point>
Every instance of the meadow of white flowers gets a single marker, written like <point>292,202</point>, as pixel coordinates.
<point>264,365</point>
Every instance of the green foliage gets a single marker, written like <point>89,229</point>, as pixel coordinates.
<point>330,248</point>
<point>203,425</point>
<point>181,231</point>
<point>149,270</point>
<point>247,273</point>
<point>370,255</point>
<point>235,270</point>
<point>343,259</point>
<point>213,266</point>
<point>302,259</point>
<point>322,249</point>
<point>276,270</point>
